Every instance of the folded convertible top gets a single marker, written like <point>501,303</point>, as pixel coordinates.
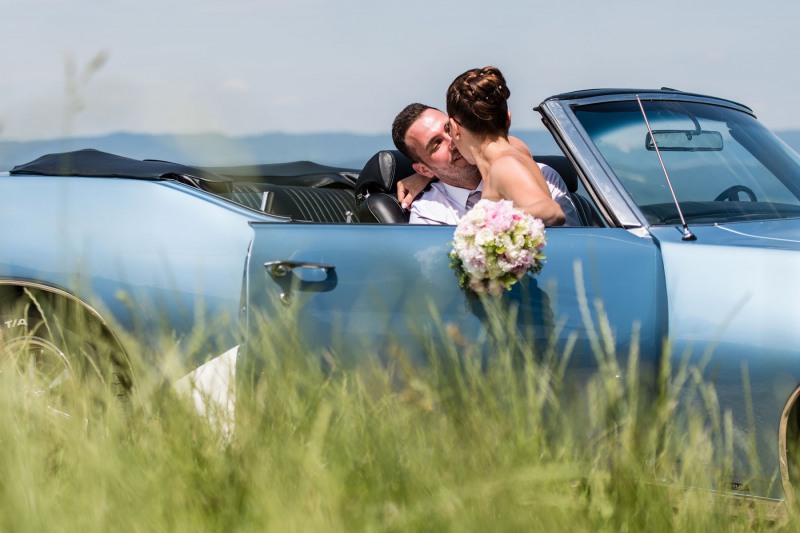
<point>94,163</point>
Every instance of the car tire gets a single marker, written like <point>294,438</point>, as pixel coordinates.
<point>57,357</point>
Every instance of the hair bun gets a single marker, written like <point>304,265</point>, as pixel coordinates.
<point>490,85</point>
<point>478,97</point>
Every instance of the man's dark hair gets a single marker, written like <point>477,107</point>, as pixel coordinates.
<point>400,126</point>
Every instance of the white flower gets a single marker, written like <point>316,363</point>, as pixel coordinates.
<point>483,237</point>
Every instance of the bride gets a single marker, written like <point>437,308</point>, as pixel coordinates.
<point>478,124</point>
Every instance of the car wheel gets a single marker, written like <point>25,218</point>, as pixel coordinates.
<point>57,358</point>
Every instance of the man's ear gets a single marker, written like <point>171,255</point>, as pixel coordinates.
<point>423,170</point>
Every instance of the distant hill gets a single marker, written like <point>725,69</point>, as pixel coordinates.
<point>336,149</point>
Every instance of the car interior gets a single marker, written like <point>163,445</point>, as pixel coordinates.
<point>374,198</point>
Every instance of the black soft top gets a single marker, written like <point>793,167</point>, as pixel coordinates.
<point>94,163</point>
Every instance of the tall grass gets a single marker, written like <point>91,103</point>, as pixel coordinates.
<point>462,443</point>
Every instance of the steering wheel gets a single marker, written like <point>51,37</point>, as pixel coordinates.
<point>731,194</point>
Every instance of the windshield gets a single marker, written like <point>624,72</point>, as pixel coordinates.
<point>724,166</point>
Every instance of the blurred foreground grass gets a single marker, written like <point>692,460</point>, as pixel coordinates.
<point>464,443</point>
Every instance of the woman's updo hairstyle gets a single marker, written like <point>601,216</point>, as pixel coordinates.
<point>478,100</point>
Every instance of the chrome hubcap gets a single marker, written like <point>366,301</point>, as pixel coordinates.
<point>40,370</point>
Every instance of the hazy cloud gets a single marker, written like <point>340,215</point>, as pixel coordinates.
<point>234,85</point>
<point>248,66</point>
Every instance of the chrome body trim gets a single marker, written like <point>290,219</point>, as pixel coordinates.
<point>783,446</point>
<point>68,295</point>
<point>58,291</point>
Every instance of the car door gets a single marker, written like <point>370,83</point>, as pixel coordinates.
<point>360,290</point>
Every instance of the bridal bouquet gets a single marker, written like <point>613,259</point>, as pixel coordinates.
<point>496,244</point>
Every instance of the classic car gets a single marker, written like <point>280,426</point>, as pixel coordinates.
<point>688,246</point>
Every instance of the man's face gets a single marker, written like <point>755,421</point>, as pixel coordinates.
<point>437,151</point>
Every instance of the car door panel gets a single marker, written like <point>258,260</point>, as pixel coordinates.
<point>371,289</point>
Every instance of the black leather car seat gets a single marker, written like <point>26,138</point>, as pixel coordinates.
<point>376,188</point>
<point>302,204</point>
<point>586,211</point>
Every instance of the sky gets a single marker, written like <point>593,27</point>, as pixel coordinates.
<point>242,67</point>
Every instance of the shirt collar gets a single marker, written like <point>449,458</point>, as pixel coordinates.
<point>459,195</point>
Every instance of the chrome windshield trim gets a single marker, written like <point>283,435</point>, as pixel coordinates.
<point>620,96</point>
<point>592,165</point>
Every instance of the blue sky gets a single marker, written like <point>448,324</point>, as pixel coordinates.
<point>251,66</point>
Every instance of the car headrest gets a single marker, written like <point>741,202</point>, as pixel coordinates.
<point>382,172</point>
<point>563,166</point>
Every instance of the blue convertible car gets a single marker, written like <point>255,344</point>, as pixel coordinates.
<point>689,242</point>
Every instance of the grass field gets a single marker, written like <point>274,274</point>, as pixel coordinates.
<point>462,444</point>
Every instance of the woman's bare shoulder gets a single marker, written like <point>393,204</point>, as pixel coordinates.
<point>519,145</point>
<point>513,176</point>
<point>510,162</point>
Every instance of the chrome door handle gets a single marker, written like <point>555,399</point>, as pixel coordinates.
<point>278,269</point>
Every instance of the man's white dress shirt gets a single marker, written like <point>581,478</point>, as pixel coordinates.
<point>445,204</point>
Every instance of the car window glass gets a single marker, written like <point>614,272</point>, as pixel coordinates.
<point>719,160</point>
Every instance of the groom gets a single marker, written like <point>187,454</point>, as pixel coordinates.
<point>418,132</point>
